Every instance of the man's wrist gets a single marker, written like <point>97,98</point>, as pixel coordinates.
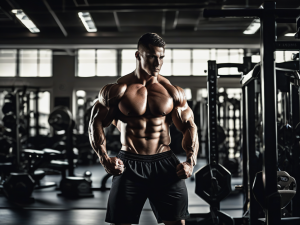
<point>104,159</point>
<point>189,161</point>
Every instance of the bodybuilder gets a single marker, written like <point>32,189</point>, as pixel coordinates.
<point>143,105</point>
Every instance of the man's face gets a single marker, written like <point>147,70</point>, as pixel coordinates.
<point>151,59</point>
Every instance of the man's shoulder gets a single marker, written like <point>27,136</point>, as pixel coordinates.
<point>162,80</point>
<point>126,79</point>
<point>110,94</point>
<point>176,92</point>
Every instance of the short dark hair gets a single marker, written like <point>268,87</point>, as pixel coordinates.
<point>152,39</point>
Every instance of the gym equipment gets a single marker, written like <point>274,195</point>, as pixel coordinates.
<point>269,16</point>
<point>218,188</point>
<point>74,187</point>
<point>213,181</point>
<point>60,118</point>
<point>9,103</point>
<point>71,186</point>
<point>286,187</point>
<point>19,187</point>
<point>5,146</point>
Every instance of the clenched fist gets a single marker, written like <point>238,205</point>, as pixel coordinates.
<point>184,170</point>
<point>113,165</point>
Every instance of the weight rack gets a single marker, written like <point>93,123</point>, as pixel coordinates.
<point>269,17</point>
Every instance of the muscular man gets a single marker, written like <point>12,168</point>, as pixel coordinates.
<point>143,105</point>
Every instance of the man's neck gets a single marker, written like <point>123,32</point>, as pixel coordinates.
<point>143,78</point>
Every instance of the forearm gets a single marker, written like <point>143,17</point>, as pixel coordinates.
<point>190,144</point>
<point>98,141</point>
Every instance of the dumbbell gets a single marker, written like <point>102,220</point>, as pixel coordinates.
<point>18,187</point>
<point>74,187</point>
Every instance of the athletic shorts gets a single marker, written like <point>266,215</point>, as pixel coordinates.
<point>147,176</point>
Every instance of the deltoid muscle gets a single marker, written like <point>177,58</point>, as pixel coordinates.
<point>110,94</point>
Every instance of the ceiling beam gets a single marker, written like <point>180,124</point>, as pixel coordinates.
<point>63,30</point>
<point>127,8</point>
<point>6,14</point>
<point>117,21</point>
<point>175,19</point>
<point>198,21</point>
<point>163,23</point>
<point>77,5</point>
<point>86,2</point>
<point>13,4</point>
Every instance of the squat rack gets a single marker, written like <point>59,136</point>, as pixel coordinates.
<point>269,17</point>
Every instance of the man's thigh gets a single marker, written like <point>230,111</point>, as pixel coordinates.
<point>170,202</point>
<point>126,200</point>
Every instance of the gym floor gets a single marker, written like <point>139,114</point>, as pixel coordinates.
<point>49,208</point>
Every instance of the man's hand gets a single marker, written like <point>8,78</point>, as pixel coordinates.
<point>113,165</point>
<point>184,170</point>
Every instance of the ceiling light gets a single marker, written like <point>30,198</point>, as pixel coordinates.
<point>87,21</point>
<point>25,20</point>
<point>253,27</point>
<point>289,34</point>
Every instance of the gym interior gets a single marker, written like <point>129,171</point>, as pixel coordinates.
<point>237,62</point>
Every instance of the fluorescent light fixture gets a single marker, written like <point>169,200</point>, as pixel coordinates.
<point>289,34</point>
<point>253,27</point>
<point>87,21</point>
<point>25,20</point>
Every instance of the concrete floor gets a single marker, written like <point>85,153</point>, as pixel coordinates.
<point>49,208</point>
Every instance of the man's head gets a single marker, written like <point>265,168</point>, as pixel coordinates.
<point>150,53</point>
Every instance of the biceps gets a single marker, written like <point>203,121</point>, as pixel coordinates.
<point>101,115</point>
<point>183,118</point>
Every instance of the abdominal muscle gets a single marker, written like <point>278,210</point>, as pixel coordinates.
<point>145,136</point>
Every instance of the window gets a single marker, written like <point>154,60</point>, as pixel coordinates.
<point>235,56</point>
<point>128,61</point>
<point>44,111</point>
<point>97,62</point>
<point>280,56</point>
<point>35,63</point>
<point>200,57</point>
<point>255,58</point>
<point>182,62</point>
<point>166,69</point>
<point>177,62</point>
<point>8,62</point>
<point>288,55</point>
<point>86,62</point>
<point>223,57</point>
<point>188,93</point>
<point>106,62</point>
<point>45,63</point>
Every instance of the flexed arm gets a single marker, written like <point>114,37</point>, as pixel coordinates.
<point>102,115</point>
<point>183,119</point>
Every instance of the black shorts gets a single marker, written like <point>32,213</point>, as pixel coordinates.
<point>147,176</point>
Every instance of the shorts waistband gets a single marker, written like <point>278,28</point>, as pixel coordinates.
<point>144,158</point>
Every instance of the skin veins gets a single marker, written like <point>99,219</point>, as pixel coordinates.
<point>143,105</point>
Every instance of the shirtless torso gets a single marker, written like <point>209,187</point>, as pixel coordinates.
<point>143,115</point>
<point>143,107</point>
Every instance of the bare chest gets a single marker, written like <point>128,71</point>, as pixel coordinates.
<point>152,100</point>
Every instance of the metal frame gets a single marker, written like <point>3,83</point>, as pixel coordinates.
<point>212,112</point>
<point>268,16</point>
<point>295,109</point>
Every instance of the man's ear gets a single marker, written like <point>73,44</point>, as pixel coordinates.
<point>137,55</point>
